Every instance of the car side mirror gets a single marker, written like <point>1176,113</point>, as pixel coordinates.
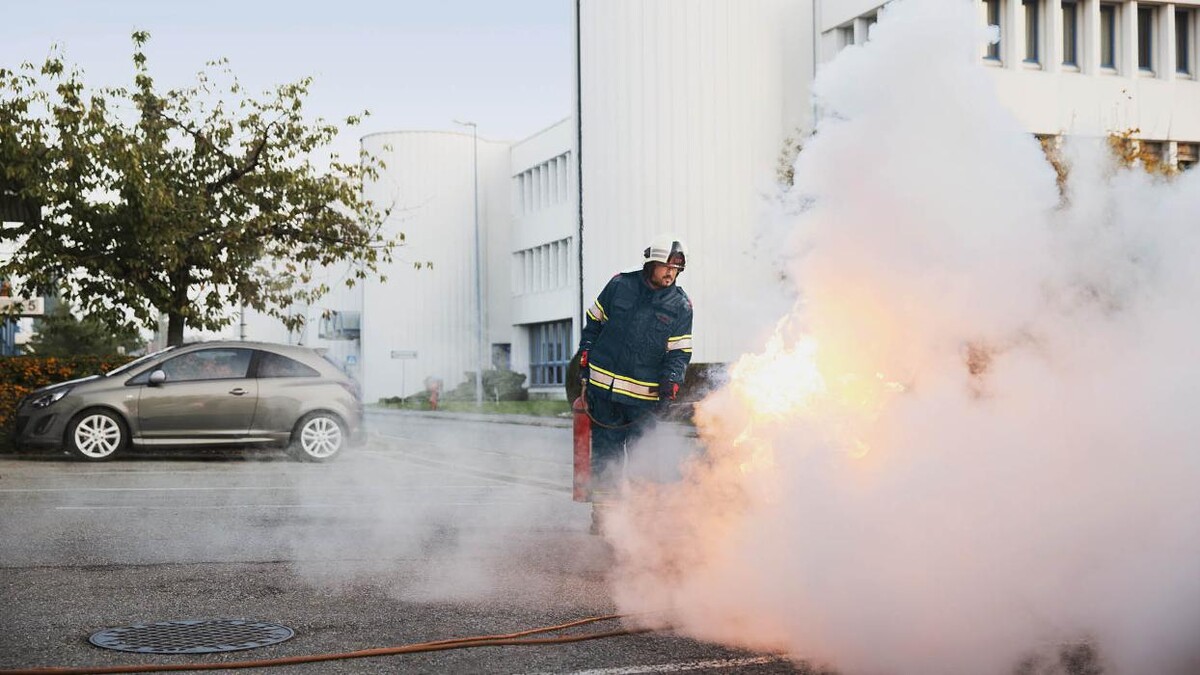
<point>157,378</point>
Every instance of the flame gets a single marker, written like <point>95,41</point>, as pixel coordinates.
<point>780,382</point>
<point>798,383</point>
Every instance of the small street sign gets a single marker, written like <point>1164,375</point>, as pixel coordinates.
<point>403,354</point>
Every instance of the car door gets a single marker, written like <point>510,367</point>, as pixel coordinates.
<point>208,396</point>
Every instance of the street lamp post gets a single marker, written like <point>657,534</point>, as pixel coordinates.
<point>478,266</point>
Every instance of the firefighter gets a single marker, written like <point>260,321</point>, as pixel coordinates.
<point>633,352</point>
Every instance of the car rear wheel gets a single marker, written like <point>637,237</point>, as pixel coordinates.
<point>96,435</point>
<point>319,437</point>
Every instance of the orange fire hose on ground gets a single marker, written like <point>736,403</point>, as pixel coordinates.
<point>507,639</point>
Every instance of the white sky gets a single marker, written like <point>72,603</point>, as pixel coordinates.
<point>415,64</point>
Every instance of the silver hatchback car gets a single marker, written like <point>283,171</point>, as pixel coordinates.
<point>208,394</point>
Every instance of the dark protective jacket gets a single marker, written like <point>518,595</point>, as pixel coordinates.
<point>637,338</point>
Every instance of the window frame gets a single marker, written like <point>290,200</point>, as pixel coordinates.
<point>992,51</point>
<point>263,355</point>
<point>550,353</point>
<point>251,367</point>
<point>1033,32</point>
<point>1113,10</point>
<point>1147,38</point>
<point>1070,33</point>
<point>1185,49</point>
<point>845,35</point>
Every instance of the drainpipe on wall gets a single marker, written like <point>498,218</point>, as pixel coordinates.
<point>578,328</point>
<point>816,56</point>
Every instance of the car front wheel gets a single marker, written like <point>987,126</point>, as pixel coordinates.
<point>96,436</point>
<point>319,437</point>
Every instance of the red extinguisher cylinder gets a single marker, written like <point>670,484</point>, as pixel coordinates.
<point>581,491</point>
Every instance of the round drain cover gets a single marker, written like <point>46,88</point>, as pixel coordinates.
<point>192,637</point>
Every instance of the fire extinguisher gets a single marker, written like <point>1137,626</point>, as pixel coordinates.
<point>582,436</point>
<point>583,451</point>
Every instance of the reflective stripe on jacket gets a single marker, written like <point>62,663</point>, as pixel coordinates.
<point>638,337</point>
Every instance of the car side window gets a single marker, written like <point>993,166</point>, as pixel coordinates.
<point>271,364</point>
<point>208,364</point>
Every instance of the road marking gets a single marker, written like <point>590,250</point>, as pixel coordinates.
<point>486,486</point>
<point>273,506</point>
<point>675,667</point>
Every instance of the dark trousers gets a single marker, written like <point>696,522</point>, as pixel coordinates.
<point>615,426</point>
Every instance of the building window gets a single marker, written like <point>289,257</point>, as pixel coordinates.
<point>1187,155</point>
<point>501,356</point>
<point>1108,36</point>
<point>1145,38</point>
<point>542,268</point>
<point>1032,30</point>
<point>1070,43</point>
<point>845,36</point>
<point>991,10</point>
<point>1151,154</point>
<point>544,185</point>
<point>549,353</point>
<point>1183,38</point>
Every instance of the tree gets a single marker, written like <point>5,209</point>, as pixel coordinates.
<point>186,203</point>
<point>63,335</point>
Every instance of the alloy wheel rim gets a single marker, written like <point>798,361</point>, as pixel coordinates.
<point>321,437</point>
<point>97,436</point>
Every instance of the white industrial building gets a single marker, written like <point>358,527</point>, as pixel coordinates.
<point>684,109</point>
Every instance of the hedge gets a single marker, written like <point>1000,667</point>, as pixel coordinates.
<point>20,375</point>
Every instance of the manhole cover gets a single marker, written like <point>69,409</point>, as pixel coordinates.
<point>192,637</point>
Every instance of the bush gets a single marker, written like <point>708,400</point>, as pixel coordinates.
<point>20,375</point>
<point>498,385</point>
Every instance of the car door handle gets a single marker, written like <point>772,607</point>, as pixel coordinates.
<point>237,392</point>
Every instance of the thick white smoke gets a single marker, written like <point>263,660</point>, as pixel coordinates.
<point>976,437</point>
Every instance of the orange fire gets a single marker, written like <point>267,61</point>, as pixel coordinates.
<point>797,383</point>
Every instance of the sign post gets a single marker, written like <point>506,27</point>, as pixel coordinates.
<point>404,355</point>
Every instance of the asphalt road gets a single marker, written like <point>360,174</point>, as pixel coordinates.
<point>435,529</point>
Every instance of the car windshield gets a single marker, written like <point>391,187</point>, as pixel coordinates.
<point>136,362</point>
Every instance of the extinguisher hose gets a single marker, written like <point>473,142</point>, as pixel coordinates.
<point>518,638</point>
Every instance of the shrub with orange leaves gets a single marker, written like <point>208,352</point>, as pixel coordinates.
<point>20,375</point>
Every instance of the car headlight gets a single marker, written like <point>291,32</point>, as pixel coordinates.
<point>49,398</point>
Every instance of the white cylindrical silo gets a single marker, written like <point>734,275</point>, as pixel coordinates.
<point>684,107</point>
<point>421,321</point>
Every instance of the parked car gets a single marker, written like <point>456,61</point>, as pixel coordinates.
<point>208,394</point>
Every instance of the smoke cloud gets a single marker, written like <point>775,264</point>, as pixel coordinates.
<point>974,440</point>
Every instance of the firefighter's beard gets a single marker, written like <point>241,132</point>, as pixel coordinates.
<point>660,276</point>
<point>973,443</point>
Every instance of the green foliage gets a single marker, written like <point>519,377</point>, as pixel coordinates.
<point>140,202</point>
<point>63,335</point>
<point>498,385</point>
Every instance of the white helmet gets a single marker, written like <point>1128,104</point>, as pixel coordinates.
<point>664,249</point>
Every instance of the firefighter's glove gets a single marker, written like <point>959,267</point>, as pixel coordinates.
<point>583,367</point>
<point>667,392</point>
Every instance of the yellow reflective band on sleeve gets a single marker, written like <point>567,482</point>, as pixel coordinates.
<point>683,342</point>
<point>596,311</point>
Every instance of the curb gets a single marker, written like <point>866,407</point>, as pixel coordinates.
<point>526,420</point>
<point>496,418</point>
